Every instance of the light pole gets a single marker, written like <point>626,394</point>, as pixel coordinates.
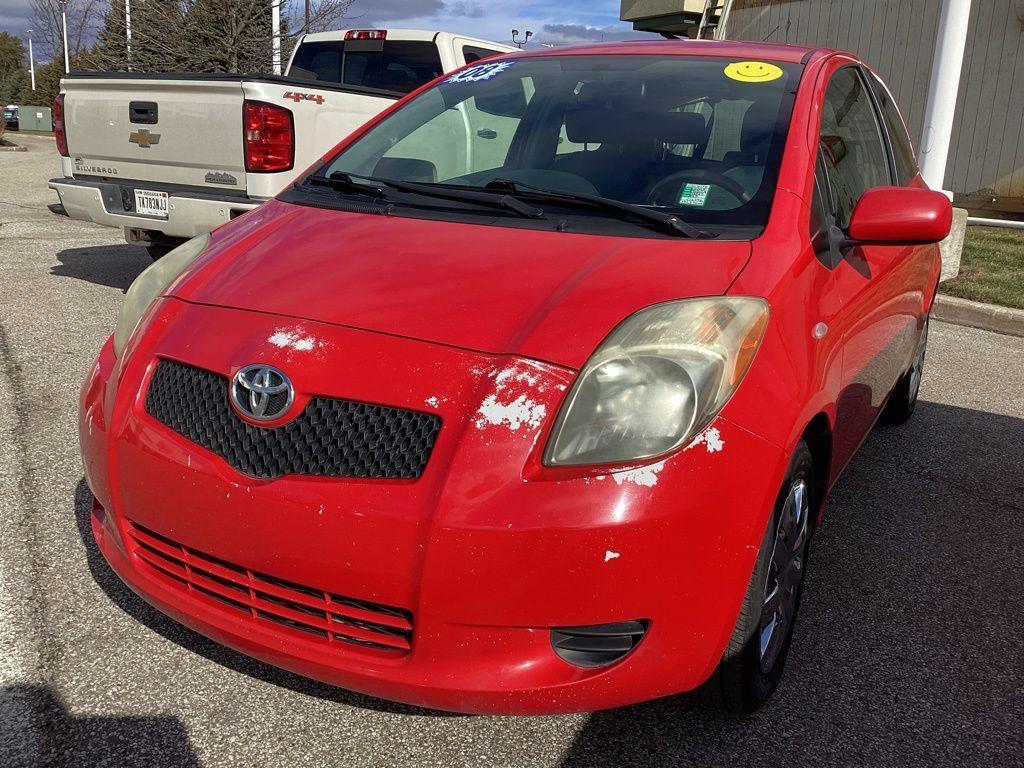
<point>31,60</point>
<point>128,31</point>
<point>275,7</point>
<point>524,41</point>
<point>64,29</point>
<point>942,93</point>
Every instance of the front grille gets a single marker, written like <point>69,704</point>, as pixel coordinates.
<point>332,438</point>
<point>282,605</point>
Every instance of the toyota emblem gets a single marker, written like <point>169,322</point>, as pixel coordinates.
<point>261,392</point>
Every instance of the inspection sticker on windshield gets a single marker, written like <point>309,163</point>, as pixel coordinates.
<point>480,72</point>
<point>694,194</point>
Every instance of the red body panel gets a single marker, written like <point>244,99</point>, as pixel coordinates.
<point>488,549</point>
<point>545,295</point>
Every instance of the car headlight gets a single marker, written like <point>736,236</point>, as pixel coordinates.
<point>658,380</point>
<point>150,284</point>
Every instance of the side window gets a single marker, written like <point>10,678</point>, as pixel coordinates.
<point>902,149</point>
<point>854,155</point>
<point>471,53</point>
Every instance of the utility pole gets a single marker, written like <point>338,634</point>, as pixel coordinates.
<point>943,91</point>
<point>64,29</point>
<point>275,8</point>
<point>128,31</point>
<point>306,27</point>
<point>31,60</point>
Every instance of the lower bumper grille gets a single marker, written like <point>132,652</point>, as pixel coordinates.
<point>286,606</point>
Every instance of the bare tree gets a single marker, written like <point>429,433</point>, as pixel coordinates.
<point>204,35</point>
<point>84,18</point>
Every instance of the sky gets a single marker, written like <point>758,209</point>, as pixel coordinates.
<point>565,21</point>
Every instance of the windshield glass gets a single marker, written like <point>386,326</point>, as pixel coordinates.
<point>682,134</point>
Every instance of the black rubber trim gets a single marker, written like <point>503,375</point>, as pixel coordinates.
<point>597,645</point>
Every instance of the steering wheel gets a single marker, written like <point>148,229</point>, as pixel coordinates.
<point>658,192</point>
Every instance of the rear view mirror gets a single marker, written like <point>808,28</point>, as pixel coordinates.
<point>900,216</point>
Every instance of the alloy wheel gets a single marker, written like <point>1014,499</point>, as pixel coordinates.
<point>785,572</point>
<point>917,369</point>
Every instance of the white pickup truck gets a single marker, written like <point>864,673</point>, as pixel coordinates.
<point>171,156</point>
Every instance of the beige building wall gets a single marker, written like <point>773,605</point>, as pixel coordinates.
<point>897,38</point>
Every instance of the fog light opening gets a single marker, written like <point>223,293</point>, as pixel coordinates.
<point>598,645</point>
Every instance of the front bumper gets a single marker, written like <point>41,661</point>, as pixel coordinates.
<point>190,213</point>
<point>487,550</point>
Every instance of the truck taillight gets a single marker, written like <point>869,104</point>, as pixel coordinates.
<point>366,34</point>
<point>58,125</point>
<point>269,135</point>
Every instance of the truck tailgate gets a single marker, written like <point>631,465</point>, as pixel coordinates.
<point>171,131</point>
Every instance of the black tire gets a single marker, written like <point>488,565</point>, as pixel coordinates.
<point>748,674</point>
<point>158,250</point>
<point>903,399</point>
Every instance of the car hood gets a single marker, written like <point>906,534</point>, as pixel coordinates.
<point>546,295</point>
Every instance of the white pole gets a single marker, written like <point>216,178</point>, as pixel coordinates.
<point>64,26</point>
<point>31,62</point>
<point>942,93</point>
<point>128,30</point>
<point>275,6</point>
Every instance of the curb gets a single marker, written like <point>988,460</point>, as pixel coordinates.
<point>973,314</point>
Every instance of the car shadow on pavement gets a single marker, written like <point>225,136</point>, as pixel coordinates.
<point>36,729</point>
<point>908,647</point>
<point>115,266</point>
<point>187,638</point>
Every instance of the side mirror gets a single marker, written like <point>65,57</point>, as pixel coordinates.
<point>900,216</point>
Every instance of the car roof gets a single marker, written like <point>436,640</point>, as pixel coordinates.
<point>793,54</point>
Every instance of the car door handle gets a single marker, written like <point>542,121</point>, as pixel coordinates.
<point>487,133</point>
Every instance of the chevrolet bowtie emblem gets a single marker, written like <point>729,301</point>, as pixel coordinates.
<point>144,138</point>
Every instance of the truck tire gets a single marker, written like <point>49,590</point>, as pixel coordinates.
<point>753,661</point>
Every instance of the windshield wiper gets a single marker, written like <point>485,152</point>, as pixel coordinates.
<point>378,188</point>
<point>666,221</point>
<point>344,183</point>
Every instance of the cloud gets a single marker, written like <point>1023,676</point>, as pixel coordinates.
<point>469,10</point>
<point>394,10</point>
<point>584,33</point>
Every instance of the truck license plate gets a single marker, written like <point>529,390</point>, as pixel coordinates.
<point>150,203</point>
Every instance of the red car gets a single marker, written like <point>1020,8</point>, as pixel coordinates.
<point>527,398</point>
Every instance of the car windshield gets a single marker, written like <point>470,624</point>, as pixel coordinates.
<point>700,137</point>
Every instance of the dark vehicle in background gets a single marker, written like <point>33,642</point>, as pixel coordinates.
<point>10,118</point>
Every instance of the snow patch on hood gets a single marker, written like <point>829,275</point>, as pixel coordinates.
<point>294,339</point>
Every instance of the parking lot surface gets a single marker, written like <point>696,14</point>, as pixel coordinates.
<point>909,650</point>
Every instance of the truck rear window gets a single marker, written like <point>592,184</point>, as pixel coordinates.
<point>400,66</point>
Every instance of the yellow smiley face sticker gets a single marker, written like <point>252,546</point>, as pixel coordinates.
<point>753,71</point>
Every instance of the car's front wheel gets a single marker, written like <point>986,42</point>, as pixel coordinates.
<point>753,662</point>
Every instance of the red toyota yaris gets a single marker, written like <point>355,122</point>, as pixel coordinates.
<point>527,398</point>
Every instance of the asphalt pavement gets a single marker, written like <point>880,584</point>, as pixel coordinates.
<point>909,650</point>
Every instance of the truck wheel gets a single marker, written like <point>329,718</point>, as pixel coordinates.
<point>903,399</point>
<point>158,250</point>
<point>753,662</point>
